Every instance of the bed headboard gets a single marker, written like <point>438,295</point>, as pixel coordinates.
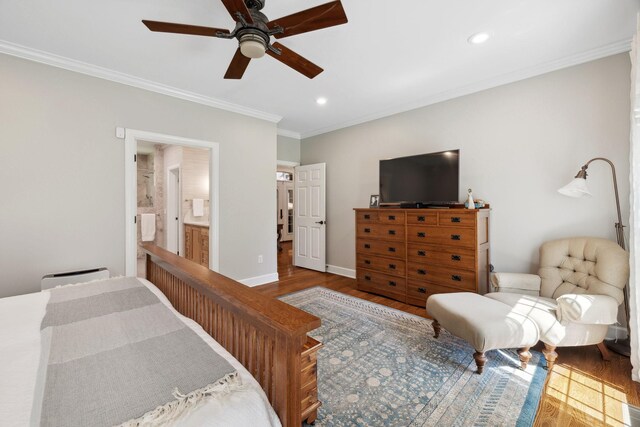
<point>263,333</point>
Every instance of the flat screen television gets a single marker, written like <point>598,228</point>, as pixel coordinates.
<point>425,178</point>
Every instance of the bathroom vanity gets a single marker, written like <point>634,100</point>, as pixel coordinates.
<point>196,243</point>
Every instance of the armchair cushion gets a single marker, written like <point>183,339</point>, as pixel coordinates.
<point>543,311</point>
<point>526,284</point>
<point>587,309</point>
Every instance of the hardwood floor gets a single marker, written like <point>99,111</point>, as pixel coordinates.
<point>582,389</point>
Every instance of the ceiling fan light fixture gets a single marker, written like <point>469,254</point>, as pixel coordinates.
<point>252,46</point>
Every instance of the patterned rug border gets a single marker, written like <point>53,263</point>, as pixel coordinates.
<point>533,399</point>
<point>372,307</point>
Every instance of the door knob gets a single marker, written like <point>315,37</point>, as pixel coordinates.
<point>320,222</point>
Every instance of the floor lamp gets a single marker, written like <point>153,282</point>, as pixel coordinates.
<point>578,188</point>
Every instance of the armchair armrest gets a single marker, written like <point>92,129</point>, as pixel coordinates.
<point>587,309</point>
<point>519,283</point>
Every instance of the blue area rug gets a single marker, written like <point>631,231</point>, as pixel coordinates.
<point>382,367</point>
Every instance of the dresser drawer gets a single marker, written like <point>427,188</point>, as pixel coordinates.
<point>383,284</point>
<point>458,279</point>
<point>423,218</point>
<point>394,267</point>
<point>391,217</point>
<point>456,219</point>
<point>380,247</point>
<point>418,292</point>
<point>367,216</point>
<point>309,398</point>
<point>455,258</point>
<point>464,237</point>
<point>393,232</point>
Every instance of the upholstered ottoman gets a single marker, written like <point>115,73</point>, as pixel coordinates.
<point>484,323</point>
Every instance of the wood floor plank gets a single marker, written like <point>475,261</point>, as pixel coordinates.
<point>582,390</point>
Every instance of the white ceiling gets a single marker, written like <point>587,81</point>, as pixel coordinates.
<point>390,57</point>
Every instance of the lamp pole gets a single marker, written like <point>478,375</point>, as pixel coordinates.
<point>622,347</point>
<point>619,227</point>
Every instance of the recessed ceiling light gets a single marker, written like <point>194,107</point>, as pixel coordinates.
<point>478,38</point>
<point>321,101</point>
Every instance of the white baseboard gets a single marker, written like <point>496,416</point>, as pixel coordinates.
<point>341,271</point>
<point>259,280</point>
<point>615,331</point>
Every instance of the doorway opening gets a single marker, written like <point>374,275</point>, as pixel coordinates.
<point>285,203</point>
<point>171,198</point>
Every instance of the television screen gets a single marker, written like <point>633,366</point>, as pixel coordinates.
<point>424,178</point>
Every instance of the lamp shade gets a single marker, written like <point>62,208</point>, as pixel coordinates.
<point>576,188</point>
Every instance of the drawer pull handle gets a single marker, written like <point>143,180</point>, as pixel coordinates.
<point>392,217</point>
<point>391,283</point>
<point>421,218</point>
<point>367,230</point>
<point>367,277</point>
<point>367,216</point>
<point>367,246</point>
<point>392,266</point>
<point>366,261</point>
<point>455,237</point>
<point>455,219</point>
<point>422,253</point>
<point>422,290</point>
<point>456,257</point>
<point>422,272</point>
<point>456,278</point>
<point>392,249</point>
<point>392,232</point>
<point>422,234</point>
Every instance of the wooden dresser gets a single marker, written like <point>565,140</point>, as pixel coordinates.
<point>196,243</point>
<point>409,254</point>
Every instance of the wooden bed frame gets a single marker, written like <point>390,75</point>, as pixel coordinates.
<point>266,335</point>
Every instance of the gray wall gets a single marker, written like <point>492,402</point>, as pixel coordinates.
<point>519,143</point>
<point>288,149</point>
<point>62,173</point>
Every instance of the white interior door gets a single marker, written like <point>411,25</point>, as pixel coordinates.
<point>173,210</point>
<point>310,217</point>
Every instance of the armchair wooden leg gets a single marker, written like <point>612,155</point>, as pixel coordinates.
<point>525,356</point>
<point>436,328</point>
<point>481,359</point>
<point>550,354</point>
<point>606,356</point>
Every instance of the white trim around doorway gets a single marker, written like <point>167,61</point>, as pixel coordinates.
<point>132,136</point>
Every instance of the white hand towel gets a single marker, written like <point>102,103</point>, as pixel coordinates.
<point>198,207</point>
<point>148,227</point>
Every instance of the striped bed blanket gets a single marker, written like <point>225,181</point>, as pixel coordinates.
<point>113,354</point>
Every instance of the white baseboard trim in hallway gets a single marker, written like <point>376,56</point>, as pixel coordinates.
<point>259,280</point>
<point>341,271</point>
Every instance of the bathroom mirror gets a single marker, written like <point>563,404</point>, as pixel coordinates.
<point>146,180</point>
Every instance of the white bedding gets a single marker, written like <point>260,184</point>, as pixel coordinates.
<point>20,319</point>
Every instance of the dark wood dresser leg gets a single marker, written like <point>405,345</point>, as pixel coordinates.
<point>525,356</point>
<point>436,328</point>
<point>481,359</point>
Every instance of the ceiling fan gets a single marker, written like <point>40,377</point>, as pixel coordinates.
<point>254,30</point>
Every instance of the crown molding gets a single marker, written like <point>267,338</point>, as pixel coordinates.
<point>569,61</point>
<point>47,58</point>
<point>289,133</point>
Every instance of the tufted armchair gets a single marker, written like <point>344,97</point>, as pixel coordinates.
<point>575,295</point>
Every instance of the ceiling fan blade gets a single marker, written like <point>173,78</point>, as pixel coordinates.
<point>238,65</point>
<point>295,61</point>
<point>316,18</point>
<point>235,6</point>
<point>169,27</point>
